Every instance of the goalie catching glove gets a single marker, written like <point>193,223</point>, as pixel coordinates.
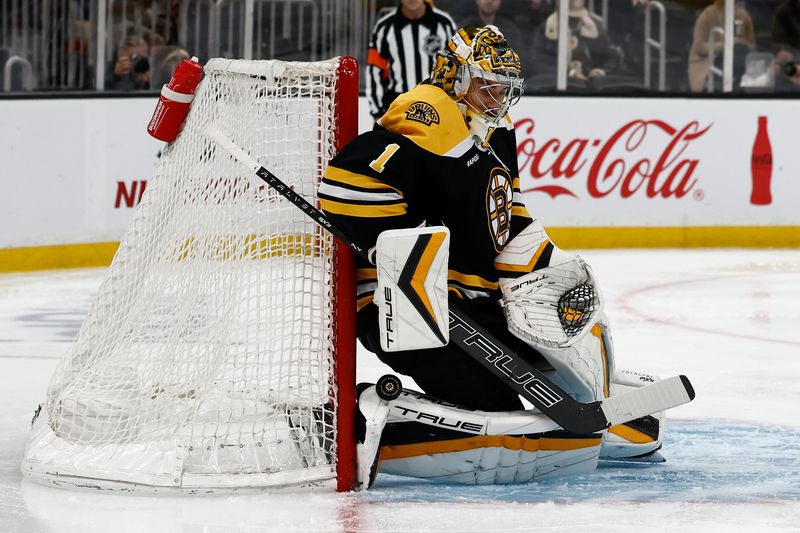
<point>552,302</point>
<point>551,297</point>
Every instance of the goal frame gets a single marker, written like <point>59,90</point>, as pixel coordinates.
<point>341,378</point>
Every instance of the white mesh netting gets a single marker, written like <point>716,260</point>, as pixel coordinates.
<point>207,359</point>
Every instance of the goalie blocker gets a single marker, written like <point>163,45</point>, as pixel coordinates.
<point>412,288</point>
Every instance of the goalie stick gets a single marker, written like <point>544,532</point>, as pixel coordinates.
<point>520,375</point>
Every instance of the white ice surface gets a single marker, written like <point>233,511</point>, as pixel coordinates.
<point>728,319</point>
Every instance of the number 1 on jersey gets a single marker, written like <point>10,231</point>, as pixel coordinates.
<point>380,162</point>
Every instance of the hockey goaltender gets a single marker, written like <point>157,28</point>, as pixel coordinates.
<point>433,193</point>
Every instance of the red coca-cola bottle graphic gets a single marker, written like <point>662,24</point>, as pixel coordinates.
<point>176,97</point>
<point>761,166</point>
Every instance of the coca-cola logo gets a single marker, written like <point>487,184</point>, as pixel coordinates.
<point>648,157</point>
<point>761,159</point>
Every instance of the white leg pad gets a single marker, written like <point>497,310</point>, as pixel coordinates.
<point>476,447</point>
<point>495,463</point>
<point>376,412</point>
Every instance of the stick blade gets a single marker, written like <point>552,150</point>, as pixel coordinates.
<point>688,385</point>
<point>661,395</point>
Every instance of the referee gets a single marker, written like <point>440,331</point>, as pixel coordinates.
<point>402,50</point>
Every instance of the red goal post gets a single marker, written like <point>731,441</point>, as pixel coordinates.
<point>344,318</point>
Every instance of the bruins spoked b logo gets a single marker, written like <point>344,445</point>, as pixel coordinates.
<point>499,196</point>
<point>422,112</point>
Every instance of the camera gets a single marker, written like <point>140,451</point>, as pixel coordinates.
<point>139,64</point>
<point>789,69</point>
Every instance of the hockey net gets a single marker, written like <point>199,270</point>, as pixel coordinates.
<point>219,351</point>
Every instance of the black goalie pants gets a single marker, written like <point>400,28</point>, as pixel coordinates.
<point>449,373</point>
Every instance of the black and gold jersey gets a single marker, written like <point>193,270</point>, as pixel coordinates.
<point>420,166</point>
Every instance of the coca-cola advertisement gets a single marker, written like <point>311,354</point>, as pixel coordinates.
<point>625,163</point>
<point>642,163</point>
<point>655,162</point>
<point>761,166</point>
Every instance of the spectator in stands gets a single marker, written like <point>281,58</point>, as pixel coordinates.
<point>457,9</point>
<point>402,50</point>
<point>79,48</point>
<point>484,13</point>
<point>592,55</point>
<point>165,60</point>
<point>786,26</point>
<point>130,69</point>
<point>625,26</point>
<point>786,36</point>
<point>532,18</point>
<point>523,19</point>
<point>700,54</point>
<point>165,17</point>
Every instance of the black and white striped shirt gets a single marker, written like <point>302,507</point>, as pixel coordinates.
<point>401,54</point>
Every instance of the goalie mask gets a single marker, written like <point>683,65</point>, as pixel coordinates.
<point>480,70</point>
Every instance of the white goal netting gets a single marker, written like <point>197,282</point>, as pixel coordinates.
<point>207,358</point>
